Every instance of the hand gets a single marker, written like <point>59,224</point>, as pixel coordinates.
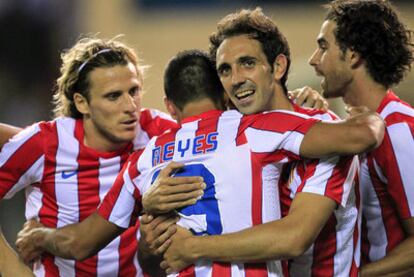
<point>169,193</point>
<point>156,232</point>
<point>177,256</point>
<point>308,97</point>
<point>354,110</point>
<point>29,243</point>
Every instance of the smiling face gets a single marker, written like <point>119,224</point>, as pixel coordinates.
<point>246,74</point>
<point>331,62</point>
<point>112,112</point>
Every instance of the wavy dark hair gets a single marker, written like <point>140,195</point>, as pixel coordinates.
<point>372,29</point>
<point>256,25</point>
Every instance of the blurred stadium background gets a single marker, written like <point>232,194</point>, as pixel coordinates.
<point>34,32</point>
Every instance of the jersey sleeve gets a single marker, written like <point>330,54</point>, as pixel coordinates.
<point>155,122</point>
<point>278,132</point>
<point>331,177</point>
<point>22,160</point>
<point>395,165</point>
<point>122,203</point>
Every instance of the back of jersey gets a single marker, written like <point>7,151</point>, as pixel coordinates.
<point>237,156</point>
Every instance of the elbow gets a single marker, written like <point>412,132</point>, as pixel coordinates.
<point>81,254</point>
<point>297,249</point>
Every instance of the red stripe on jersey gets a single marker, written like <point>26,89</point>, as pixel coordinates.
<point>49,210</point>
<point>257,167</point>
<point>285,122</point>
<point>187,272</point>
<point>154,126</point>
<point>365,246</point>
<point>334,187</point>
<point>255,270</point>
<point>127,247</point>
<point>220,270</point>
<point>324,250</point>
<point>307,173</point>
<point>398,117</point>
<point>20,162</point>
<point>391,222</point>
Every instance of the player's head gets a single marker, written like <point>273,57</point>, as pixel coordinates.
<point>190,77</point>
<point>79,61</point>
<point>362,33</point>
<point>101,82</point>
<point>252,56</point>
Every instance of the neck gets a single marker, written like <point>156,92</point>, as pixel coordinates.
<point>280,101</point>
<point>196,108</point>
<point>365,92</point>
<point>93,138</point>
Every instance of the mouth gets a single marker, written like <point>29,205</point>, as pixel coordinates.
<point>130,123</point>
<point>244,94</point>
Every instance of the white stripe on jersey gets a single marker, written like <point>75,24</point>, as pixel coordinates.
<point>404,153</point>
<point>107,173</point>
<point>262,138</point>
<point>373,216</point>
<point>27,178</point>
<point>270,192</point>
<point>66,174</point>
<point>17,141</point>
<point>395,106</point>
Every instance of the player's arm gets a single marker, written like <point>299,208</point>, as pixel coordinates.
<point>286,238</point>
<point>10,264</point>
<point>75,241</point>
<point>398,262</point>
<point>6,132</point>
<point>357,134</point>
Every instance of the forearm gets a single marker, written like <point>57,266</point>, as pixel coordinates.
<point>398,262</point>
<point>273,240</point>
<point>10,264</point>
<point>6,132</point>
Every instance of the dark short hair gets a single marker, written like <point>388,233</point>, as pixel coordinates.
<point>256,25</point>
<point>191,76</point>
<point>372,29</point>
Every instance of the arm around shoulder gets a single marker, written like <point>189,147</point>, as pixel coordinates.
<point>355,135</point>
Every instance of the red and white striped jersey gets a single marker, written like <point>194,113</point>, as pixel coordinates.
<point>387,181</point>
<point>237,156</point>
<point>335,252</point>
<point>65,181</point>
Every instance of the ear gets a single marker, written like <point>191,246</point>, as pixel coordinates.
<point>279,66</point>
<point>355,58</point>
<point>81,103</point>
<point>171,108</point>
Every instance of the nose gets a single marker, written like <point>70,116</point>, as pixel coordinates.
<point>237,78</point>
<point>313,60</point>
<point>129,103</point>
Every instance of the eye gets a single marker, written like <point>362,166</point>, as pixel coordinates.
<point>113,96</point>
<point>249,63</point>
<point>223,71</point>
<point>134,91</point>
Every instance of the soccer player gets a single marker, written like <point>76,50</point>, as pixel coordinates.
<point>252,58</point>
<point>209,141</point>
<point>363,51</point>
<point>68,165</point>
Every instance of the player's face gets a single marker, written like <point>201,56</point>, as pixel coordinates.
<point>331,63</point>
<point>246,74</point>
<point>114,105</point>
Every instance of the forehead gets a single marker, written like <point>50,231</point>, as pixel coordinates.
<point>114,78</point>
<point>327,31</point>
<point>234,47</point>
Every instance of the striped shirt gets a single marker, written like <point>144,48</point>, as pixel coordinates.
<point>65,181</point>
<point>387,181</point>
<point>237,156</point>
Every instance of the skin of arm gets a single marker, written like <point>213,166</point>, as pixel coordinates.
<point>6,132</point>
<point>75,241</point>
<point>355,135</point>
<point>286,238</point>
<point>398,262</point>
<point>10,264</point>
